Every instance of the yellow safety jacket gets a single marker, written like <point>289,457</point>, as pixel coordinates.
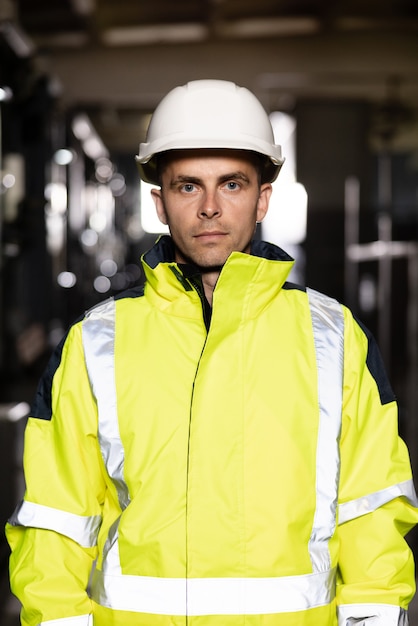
<point>239,468</point>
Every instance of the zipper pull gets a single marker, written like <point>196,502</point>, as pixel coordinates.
<point>187,286</point>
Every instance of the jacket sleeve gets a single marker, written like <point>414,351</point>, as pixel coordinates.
<point>377,501</point>
<point>53,533</point>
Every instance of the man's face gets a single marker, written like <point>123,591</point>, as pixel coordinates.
<point>211,201</point>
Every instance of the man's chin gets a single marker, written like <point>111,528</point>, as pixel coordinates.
<point>212,262</point>
<point>207,263</point>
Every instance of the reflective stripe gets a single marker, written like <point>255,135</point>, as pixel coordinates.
<point>367,504</point>
<point>82,529</point>
<point>370,614</point>
<point>99,348</point>
<point>214,596</point>
<point>80,620</point>
<point>328,329</point>
<point>111,559</point>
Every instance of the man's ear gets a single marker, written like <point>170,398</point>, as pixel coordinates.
<point>263,201</point>
<point>159,205</point>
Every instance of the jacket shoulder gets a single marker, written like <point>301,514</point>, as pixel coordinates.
<point>41,407</point>
<point>134,292</point>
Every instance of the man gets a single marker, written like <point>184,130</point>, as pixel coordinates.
<point>220,448</point>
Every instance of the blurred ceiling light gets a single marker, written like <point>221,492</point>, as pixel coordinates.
<point>267,26</point>
<point>14,411</point>
<point>94,148</point>
<point>17,39</point>
<point>89,238</point>
<point>108,267</point>
<point>12,185</point>
<point>134,228</point>
<point>66,279</point>
<point>117,185</point>
<point>102,284</point>
<point>56,193</point>
<point>98,222</point>
<point>104,169</point>
<point>83,7</point>
<point>158,33</point>
<point>8,181</point>
<point>85,132</point>
<point>55,231</point>
<point>81,126</point>
<point>6,94</point>
<point>64,156</point>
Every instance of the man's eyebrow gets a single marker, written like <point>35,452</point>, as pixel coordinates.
<point>234,176</point>
<point>184,178</point>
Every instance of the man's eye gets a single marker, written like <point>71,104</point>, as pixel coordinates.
<point>232,185</point>
<point>188,187</point>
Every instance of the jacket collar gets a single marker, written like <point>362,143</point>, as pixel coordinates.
<point>247,283</point>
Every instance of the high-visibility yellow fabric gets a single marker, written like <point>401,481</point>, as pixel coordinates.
<point>219,430</point>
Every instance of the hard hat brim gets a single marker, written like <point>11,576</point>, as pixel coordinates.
<point>147,162</point>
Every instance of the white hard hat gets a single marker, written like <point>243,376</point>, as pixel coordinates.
<point>209,114</point>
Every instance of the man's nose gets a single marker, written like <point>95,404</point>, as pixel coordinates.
<point>210,206</point>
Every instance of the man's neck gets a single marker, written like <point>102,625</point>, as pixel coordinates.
<point>209,280</point>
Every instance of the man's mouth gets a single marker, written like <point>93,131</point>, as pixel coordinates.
<point>210,233</point>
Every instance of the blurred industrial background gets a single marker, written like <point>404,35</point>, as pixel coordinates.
<point>78,82</point>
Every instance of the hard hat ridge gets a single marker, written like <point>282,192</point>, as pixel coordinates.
<point>209,114</point>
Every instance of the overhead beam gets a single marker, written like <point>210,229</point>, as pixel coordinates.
<point>349,65</point>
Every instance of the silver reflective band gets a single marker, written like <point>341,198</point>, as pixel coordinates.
<point>328,330</point>
<point>371,614</point>
<point>81,620</point>
<point>214,596</point>
<point>82,529</point>
<point>367,504</point>
<point>99,349</point>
